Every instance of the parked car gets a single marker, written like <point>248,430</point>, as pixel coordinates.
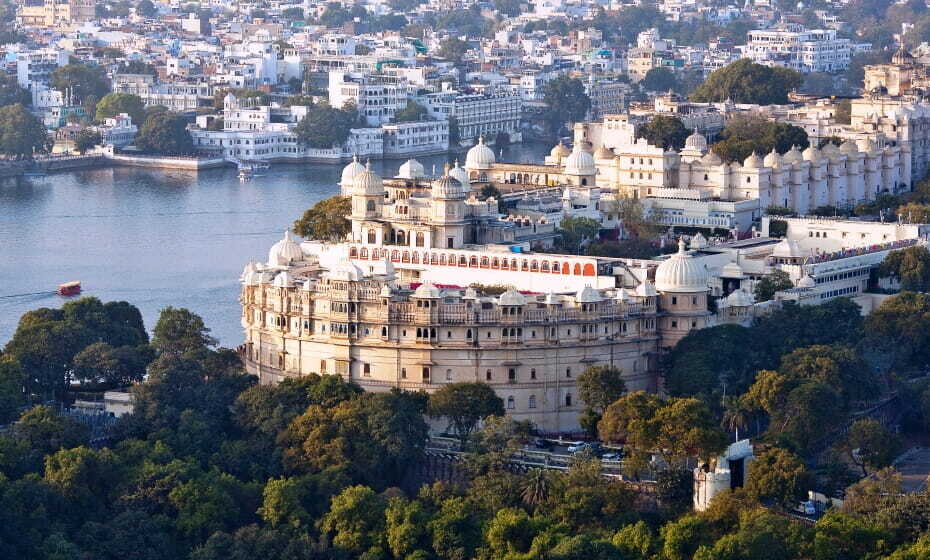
<point>576,446</point>
<point>543,444</point>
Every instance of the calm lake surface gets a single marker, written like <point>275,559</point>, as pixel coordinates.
<point>158,238</point>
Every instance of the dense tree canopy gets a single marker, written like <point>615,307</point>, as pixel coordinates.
<point>910,267</point>
<point>21,133</point>
<point>113,104</point>
<point>746,82</point>
<point>85,83</point>
<point>325,126</point>
<point>745,135</point>
<point>566,101</point>
<point>326,220</point>
<point>464,405</point>
<point>12,93</point>
<point>665,132</point>
<point>165,133</point>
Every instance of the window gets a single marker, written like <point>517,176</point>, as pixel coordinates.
<point>532,403</point>
<point>511,403</point>
<point>488,375</point>
<point>366,370</point>
<point>533,373</point>
<point>448,375</point>
<point>322,366</point>
<point>568,399</point>
<point>403,373</point>
<point>425,375</point>
<point>674,324</point>
<point>674,300</point>
<point>568,372</point>
<point>511,375</point>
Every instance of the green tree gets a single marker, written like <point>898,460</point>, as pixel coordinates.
<point>21,133</point>
<point>356,521</point>
<point>165,134</point>
<point>575,232</point>
<point>665,132</point>
<point>146,8</point>
<point>659,79</point>
<point>745,135</point>
<point>490,191</point>
<point>464,405</point>
<point>299,100</point>
<point>282,502</point>
<point>406,531</point>
<point>12,93</point>
<point>537,487</point>
<point>83,82</point>
<point>566,101</point>
<point>453,50</point>
<point>870,445</point>
<point>900,326</point>
<point>86,139</point>
<point>598,387</point>
<point>180,331</point>
<point>746,82</point>
<point>326,220</point>
<point>777,475</point>
<point>682,538</point>
<point>115,103</point>
<point>910,267</point>
<point>12,398</point>
<point>413,112</point>
<point>325,127</point>
<point>766,287</point>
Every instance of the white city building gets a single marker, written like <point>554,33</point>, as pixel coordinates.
<point>792,46</point>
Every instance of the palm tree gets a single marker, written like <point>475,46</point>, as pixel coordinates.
<point>536,487</point>
<point>735,415</point>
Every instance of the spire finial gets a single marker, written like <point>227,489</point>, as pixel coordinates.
<point>681,245</point>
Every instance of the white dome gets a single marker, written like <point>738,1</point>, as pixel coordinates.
<point>696,142</point>
<point>350,172</point>
<point>345,270</point>
<point>368,183</point>
<point>512,297</point>
<point>731,270</point>
<point>772,159</point>
<point>559,151</point>
<point>740,298</point>
<point>247,272</point>
<point>587,295</point>
<point>459,174</point>
<point>811,154</point>
<point>698,242</point>
<point>603,152</point>
<point>285,251</point>
<point>710,158</point>
<point>411,169</point>
<point>426,291</point>
<point>579,162</point>
<point>479,156</point>
<point>386,291</point>
<point>793,156</point>
<point>753,161</point>
<point>646,289</point>
<point>283,280</point>
<point>807,282</point>
<point>681,273</point>
<point>552,299</point>
<point>447,187</point>
<point>787,248</point>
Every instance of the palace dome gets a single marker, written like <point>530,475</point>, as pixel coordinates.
<point>386,291</point>
<point>350,171</point>
<point>368,183</point>
<point>345,270</point>
<point>793,156</point>
<point>849,147</point>
<point>811,154</point>
<point>480,156</point>
<point>559,151</point>
<point>698,242</point>
<point>283,280</point>
<point>902,56</point>
<point>426,291</point>
<point>710,158</point>
<point>731,270</point>
<point>579,162</point>
<point>740,298</point>
<point>807,282</point>
<point>459,174</point>
<point>470,293</point>
<point>772,159</point>
<point>681,273</point>
<point>696,141</point>
<point>588,295</point>
<point>285,251</point>
<point>753,161</point>
<point>411,169</point>
<point>603,152</point>
<point>512,297</point>
<point>447,187</point>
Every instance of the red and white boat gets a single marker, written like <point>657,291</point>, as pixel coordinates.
<point>69,289</point>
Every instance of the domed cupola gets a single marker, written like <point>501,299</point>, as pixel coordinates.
<point>346,271</point>
<point>368,183</point>
<point>579,162</point>
<point>411,169</point>
<point>558,152</point>
<point>349,173</point>
<point>459,174</point>
<point>772,160</point>
<point>740,298</point>
<point>512,297</point>
<point>902,56</point>
<point>696,142</point>
<point>681,273</point>
<point>588,295</point>
<point>480,156</point>
<point>793,156</point>
<point>285,252</point>
<point>448,188</point>
<point>426,291</point>
<point>753,161</point>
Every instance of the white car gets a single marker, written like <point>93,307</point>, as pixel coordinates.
<point>576,446</point>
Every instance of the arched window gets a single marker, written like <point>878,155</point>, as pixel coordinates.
<point>495,263</point>
<point>555,267</point>
<point>442,259</point>
<point>485,262</point>
<point>462,261</point>
<point>353,253</point>
<point>545,266</point>
<point>416,258</point>
<point>473,262</point>
<point>589,269</point>
<point>406,257</point>
<point>372,237</point>
<point>488,375</point>
<point>370,206</point>
<point>532,403</point>
<point>421,239</point>
<point>511,403</point>
<point>395,255</point>
<point>363,253</point>
<point>504,264</point>
<point>401,237</point>
<point>577,270</point>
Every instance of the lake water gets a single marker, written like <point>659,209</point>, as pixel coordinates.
<point>158,238</point>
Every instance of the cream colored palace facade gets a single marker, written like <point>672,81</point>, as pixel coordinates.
<point>414,311</point>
